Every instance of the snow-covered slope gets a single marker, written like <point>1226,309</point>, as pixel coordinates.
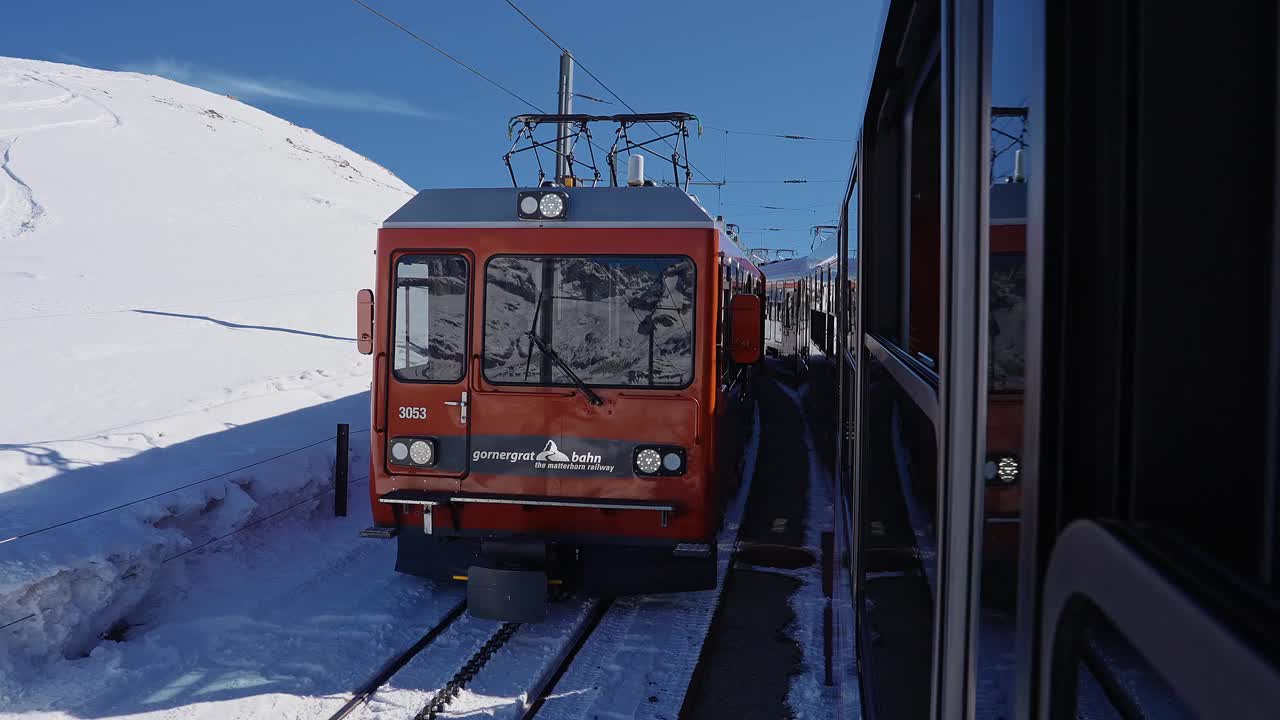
<point>177,276</point>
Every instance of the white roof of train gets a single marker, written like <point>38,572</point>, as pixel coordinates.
<point>824,254</point>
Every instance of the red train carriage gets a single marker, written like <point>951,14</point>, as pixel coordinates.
<point>1005,372</point>
<point>560,384</point>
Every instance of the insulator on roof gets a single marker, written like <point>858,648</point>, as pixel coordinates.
<point>635,170</point>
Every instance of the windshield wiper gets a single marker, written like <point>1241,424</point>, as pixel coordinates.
<point>545,349</point>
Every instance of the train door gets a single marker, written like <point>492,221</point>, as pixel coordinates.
<point>790,308</point>
<point>427,395</point>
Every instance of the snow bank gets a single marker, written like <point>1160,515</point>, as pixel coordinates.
<point>177,272</point>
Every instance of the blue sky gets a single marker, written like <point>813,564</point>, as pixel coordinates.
<point>798,67</point>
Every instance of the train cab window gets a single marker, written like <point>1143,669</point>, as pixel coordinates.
<point>612,321</point>
<point>429,338</point>
<point>1007,320</point>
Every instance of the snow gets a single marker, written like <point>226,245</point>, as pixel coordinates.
<point>640,659</point>
<point>809,695</point>
<point>501,689</point>
<point>177,271</point>
<point>251,627</point>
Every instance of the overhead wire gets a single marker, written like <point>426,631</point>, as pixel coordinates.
<point>707,179</point>
<point>783,136</point>
<point>776,207</point>
<point>601,83</point>
<point>784,181</point>
<point>460,63</point>
<point>469,68</point>
<point>584,96</point>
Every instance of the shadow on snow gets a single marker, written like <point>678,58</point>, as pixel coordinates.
<point>211,674</point>
<point>84,487</point>
<point>239,326</point>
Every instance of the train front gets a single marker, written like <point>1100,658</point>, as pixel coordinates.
<point>543,395</point>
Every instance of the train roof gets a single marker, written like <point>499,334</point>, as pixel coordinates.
<point>737,255</point>
<point>665,207</point>
<point>1009,203</point>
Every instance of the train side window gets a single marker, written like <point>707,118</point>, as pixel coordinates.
<point>429,337</point>
<point>722,346</point>
<point>883,303</point>
<point>924,223</point>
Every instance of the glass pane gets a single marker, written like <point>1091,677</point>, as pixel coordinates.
<point>1011,64</point>
<point>1007,320</point>
<point>621,320</point>
<point>430,318</point>
<point>925,240</point>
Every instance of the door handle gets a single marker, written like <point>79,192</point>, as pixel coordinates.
<point>462,404</point>
<point>379,406</point>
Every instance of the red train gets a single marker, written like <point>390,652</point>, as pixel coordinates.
<point>560,389</point>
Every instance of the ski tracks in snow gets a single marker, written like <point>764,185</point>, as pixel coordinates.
<point>30,104</point>
<point>19,211</point>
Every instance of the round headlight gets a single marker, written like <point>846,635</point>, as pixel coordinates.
<point>672,462</point>
<point>421,452</point>
<point>399,451</point>
<point>551,205</point>
<point>1008,470</point>
<point>648,461</point>
<point>989,470</point>
<point>528,204</point>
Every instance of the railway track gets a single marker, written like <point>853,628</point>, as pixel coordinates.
<point>542,679</point>
<point>394,665</point>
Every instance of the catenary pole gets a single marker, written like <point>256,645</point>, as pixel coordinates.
<point>564,107</point>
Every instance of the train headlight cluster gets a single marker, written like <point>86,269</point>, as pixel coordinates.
<point>542,204</point>
<point>416,452</point>
<point>551,205</point>
<point>1001,470</point>
<point>662,460</point>
<point>648,461</point>
<point>672,462</point>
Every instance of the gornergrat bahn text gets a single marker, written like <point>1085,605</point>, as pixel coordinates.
<point>561,389</point>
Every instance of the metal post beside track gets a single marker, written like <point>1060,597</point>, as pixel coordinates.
<point>828,581</point>
<point>340,467</point>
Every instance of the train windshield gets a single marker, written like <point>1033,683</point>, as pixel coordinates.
<point>1008,300</point>
<point>623,320</point>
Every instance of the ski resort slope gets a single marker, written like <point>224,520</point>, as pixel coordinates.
<point>177,282</point>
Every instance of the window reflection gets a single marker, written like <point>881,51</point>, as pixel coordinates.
<point>1011,146</point>
<point>431,318</point>
<point>624,320</point>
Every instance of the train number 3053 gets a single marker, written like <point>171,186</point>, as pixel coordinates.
<point>413,413</point>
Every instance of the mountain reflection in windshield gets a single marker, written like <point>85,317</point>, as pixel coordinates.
<point>616,320</point>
